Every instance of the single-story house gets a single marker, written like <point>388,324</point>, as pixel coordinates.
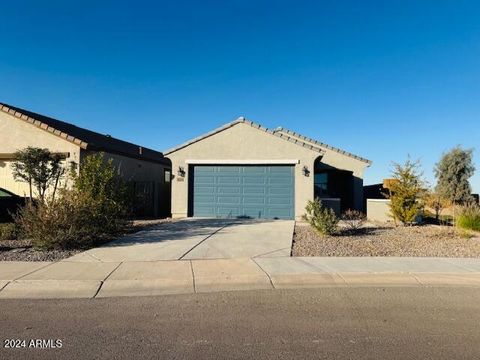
<point>148,170</point>
<point>245,170</point>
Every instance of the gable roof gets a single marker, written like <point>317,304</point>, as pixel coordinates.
<point>242,120</point>
<point>321,144</point>
<point>279,132</point>
<point>84,138</point>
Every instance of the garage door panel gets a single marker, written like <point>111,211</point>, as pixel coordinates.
<point>254,200</point>
<point>228,180</point>
<point>252,190</point>
<point>254,180</point>
<point>261,191</point>
<point>279,201</point>
<point>231,200</point>
<point>279,213</point>
<point>228,169</point>
<point>207,211</point>
<point>254,212</point>
<point>205,169</point>
<point>280,180</point>
<point>205,190</point>
<point>227,212</point>
<point>229,190</point>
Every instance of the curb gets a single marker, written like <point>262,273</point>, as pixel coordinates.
<point>90,289</point>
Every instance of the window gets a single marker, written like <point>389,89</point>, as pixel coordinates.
<point>167,176</point>
<point>321,184</point>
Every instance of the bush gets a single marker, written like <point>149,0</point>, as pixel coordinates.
<point>322,219</point>
<point>93,210</point>
<point>406,192</point>
<point>8,231</point>
<point>469,217</point>
<point>353,220</point>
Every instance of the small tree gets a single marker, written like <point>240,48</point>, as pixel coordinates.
<point>436,202</point>
<point>453,171</point>
<point>405,193</point>
<point>91,210</point>
<point>39,168</point>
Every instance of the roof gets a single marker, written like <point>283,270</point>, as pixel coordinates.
<point>321,144</point>
<point>84,138</point>
<point>279,132</point>
<point>242,120</point>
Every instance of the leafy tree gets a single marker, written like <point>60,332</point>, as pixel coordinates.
<point>437,202</point>
<point>39,168</point>
<point>406,192</point>
<point>89,212</point>
<point>452,173</point>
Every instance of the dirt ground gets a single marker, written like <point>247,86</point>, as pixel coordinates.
<point>22,250</point>
<point>380,240</point>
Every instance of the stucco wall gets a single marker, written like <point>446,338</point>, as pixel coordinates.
<point>15,134</point>
<point>378,210</point>
<point>242,142</point>
<point>136,170</point>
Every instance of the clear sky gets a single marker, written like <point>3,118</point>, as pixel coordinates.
<point>381,79</point>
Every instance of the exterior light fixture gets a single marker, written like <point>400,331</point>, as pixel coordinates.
<point>305,171</point>
<point>181,171</point>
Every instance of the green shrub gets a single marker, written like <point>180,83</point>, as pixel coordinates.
<point>469,217</point>
<point>322,219</point>
<point>8,231</point>
<point>405,192</point>
<point>91,211</point>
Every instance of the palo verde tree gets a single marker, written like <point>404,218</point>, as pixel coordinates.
<point>39,168</point>
<point>406,191</point>
<point>453,172</point>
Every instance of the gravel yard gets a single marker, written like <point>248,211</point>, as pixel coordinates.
<point>422,241</point>
<point>22,250</point>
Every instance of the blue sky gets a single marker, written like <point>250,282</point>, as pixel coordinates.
<point>381,79</point>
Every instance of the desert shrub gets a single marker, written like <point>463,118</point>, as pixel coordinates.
<point>406,192</point>
<point>92,210</point>
<point>8,231</point>
<point>469,217</point>
<point>322,219</point>
<point>353,220</point>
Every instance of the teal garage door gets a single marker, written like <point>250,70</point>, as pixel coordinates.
<point>243,191</point>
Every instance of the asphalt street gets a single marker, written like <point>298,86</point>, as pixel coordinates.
<point>325,323</point>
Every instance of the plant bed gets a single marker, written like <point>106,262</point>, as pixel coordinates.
<point>22,250</point>
<point>385,240</point>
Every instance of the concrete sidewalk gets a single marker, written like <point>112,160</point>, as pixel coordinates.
<point>68,279</point>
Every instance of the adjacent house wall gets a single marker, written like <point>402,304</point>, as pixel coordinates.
<point>16,135</point>
<point>378,210</point>
<point>141,171</point>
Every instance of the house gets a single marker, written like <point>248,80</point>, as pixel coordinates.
<point>148,170</point>
<point>245,170</point>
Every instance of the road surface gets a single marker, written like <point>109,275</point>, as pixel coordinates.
<point>328,323</point>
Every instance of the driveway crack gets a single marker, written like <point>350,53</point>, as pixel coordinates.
<point>202,241</point>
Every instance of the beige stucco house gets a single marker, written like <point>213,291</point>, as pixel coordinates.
<point>147,170</point>
<point>245,170</point>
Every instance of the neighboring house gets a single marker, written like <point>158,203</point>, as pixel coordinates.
<point>242,169</point>
<point>148,170</point>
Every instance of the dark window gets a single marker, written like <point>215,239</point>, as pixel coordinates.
<point>168,176</point>
<point>321,184</point>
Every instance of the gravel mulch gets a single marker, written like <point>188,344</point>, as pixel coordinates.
<point>22,250</point>
<point>419,241</point>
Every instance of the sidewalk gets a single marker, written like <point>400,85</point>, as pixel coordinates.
<point>67,279</point>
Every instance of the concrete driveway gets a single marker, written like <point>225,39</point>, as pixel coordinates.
<point>198,239</point>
